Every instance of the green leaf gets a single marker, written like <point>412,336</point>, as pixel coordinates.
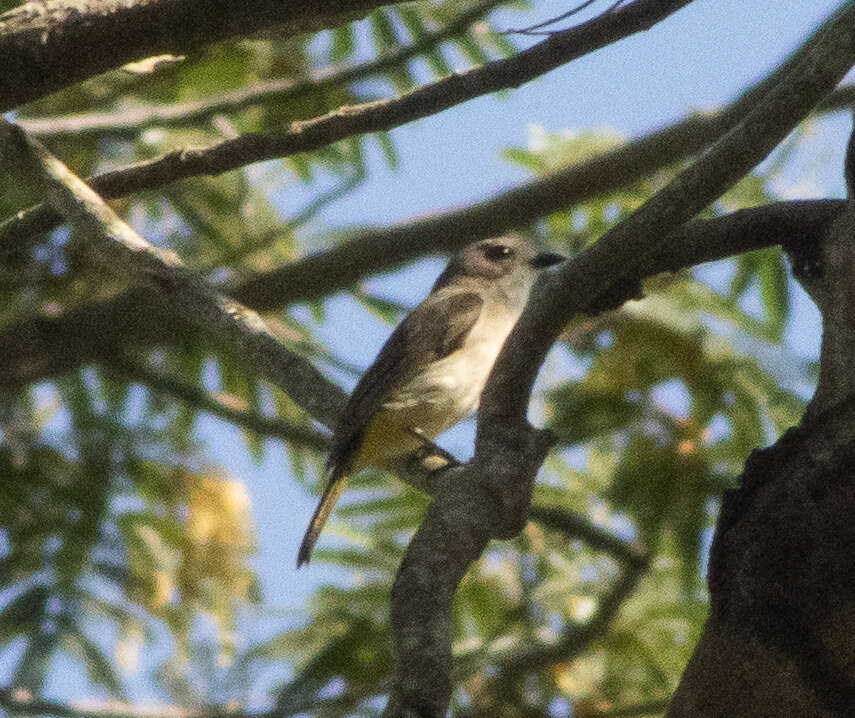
<point>775,291</point>
<point>384,139</point>
<point>579,412</point>
<point>343,43</point>
<point>23,614</point>
<point>98,667</point>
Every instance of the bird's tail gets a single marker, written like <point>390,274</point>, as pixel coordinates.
<point>331,493</point>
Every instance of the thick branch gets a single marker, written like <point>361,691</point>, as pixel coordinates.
<point>383,249</point>
<point>613,265</point>
<point>129,122</point>
<point>37,348</point>
<point>504,437</point>
<point>345,122</point>
<point>457,526</point>
<point>49,45</point>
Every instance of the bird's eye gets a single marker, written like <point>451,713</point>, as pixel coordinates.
<point>495,252</point>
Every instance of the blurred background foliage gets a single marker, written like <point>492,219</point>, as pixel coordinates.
<point>118,533</point>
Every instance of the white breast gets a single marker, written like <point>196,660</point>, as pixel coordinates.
<point>451,388</point>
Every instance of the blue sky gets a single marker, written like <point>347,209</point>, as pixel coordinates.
<point>700,58</point>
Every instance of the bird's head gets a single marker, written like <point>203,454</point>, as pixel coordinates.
<point>510,262</point>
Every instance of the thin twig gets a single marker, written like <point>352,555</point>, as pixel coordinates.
<point>613,262</point>
<point>577,526</point>
<point>200,399</point>
<point>558,18</point>
<point>576,637</point>
<point>129,121</point>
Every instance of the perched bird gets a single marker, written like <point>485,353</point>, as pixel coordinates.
<point>434,366</point>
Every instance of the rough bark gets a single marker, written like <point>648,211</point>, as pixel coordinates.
<point>778,641</point>
<point>467,511</point>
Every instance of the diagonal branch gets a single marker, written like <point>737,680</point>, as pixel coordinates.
<point>114,245</point>
<point>612,265</point>
<point>381,115</point>
<point>576,637</point>
<point>49,45</point>
<point>577,526</point>
<point>130,121</point>
<point>378,250</point>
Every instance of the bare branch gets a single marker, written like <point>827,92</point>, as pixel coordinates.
<point>113,244</point>
<point>613,263</point>
<point>43,346</point>
<point>313,134</point>
<point>383,249</point>
<point>49,45</point>
<point>129,121</point>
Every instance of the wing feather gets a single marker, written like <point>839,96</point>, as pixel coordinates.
<point>432,331</point>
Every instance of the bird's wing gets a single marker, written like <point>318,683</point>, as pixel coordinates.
<point>433,330</point>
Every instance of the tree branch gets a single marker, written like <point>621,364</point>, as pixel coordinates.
<point>614,264</point>
<point>455,530</point>
<point>44,346</point>
<point>576,638</point>
<point>345,122</point>
<point>379,250</point>
<point>49,45</point>
<point>577,526</point>
<point>130,121</point>
<point>504,463</point>
<point>114,245</point>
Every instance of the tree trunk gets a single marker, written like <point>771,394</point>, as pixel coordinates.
<point>780,638</point>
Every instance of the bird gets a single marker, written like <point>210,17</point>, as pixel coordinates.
<point>431,371</point>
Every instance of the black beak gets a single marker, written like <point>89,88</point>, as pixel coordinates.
<point>546,259</point>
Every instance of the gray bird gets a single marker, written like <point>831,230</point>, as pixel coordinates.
<point>434,366</point>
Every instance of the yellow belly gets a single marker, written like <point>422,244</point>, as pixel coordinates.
<point>390,434</point>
